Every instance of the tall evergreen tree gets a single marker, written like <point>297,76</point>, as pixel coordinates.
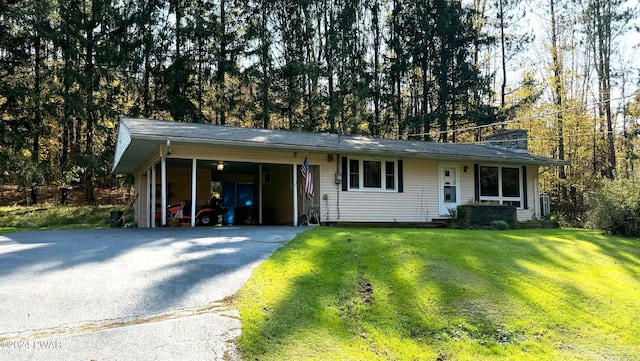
<point>604,21</point>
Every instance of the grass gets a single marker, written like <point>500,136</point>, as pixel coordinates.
<point>390,294</point>
<point>16,218</point>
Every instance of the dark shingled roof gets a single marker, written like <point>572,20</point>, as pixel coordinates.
<point>206,134</point>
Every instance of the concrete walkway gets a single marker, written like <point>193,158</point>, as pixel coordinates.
<point>127,294</point>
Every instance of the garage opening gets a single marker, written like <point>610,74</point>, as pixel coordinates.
<point>250,193</point>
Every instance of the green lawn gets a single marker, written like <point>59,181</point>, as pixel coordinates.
<point>54,217</point>
<point>394,294</point>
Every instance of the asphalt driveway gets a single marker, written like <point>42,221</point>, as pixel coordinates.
<point>127,294</point>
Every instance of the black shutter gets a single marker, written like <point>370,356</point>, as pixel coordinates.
<point>525,204</point>
<point>476,181</point>
<point>345,174</point>
<point>400,181</point>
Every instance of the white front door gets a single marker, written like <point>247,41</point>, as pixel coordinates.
<point>449,189</point>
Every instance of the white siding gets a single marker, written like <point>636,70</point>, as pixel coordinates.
<point>417,203</point>
<point>532,203</point>
<point>467,186</point>
<point>256,155</point>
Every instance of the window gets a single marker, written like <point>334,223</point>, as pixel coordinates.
<point>500,184</point>
<point>489,181</point>
<point>372,174</point>
<point>390,175</point>
<point>354,173</point>
<point>511,182</point>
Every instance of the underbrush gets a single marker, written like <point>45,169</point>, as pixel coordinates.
<point>56,217</point>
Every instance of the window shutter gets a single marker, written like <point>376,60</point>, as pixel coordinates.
<point>345,174</point>
<point>476,181</point>
<point>400,181</point>
<point>525,204</point>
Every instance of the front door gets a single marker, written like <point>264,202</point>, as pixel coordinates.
<point>449,190</point>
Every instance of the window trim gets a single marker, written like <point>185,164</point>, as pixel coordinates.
<point>383,168</point>
<point>500,198</point>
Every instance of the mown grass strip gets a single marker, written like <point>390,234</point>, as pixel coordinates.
<point>55,217</point>
<point>354,294</point>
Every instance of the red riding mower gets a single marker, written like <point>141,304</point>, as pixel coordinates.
<point>206,215</point>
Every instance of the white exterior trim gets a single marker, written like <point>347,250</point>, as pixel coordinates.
<point>124,140</point>
<point>147,200</point>
<point>154,184</point>
<point>163,196</point>
<point>500,198</point>
<point>443,208</point>
<point>295,194</point>
<point>194,197</point>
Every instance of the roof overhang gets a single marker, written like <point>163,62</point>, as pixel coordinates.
<point>138,139</point>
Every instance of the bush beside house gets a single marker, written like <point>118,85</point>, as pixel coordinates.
<point>616,207</point>
<point>484,215</point>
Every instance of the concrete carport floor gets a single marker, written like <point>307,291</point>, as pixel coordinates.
<point>127,294</point>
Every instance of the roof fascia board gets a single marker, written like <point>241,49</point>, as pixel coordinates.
<point>345,148</point>
<point>124,140</point>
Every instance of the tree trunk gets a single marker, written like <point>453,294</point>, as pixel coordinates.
<point>36,127</point>
<point>329,29</point>
<point>602,18</point>
<point>90,83</point>
<point>66,129</point>
<point>146,98</point>
<point>375,130</point>
<point>558,93</point>
<point>222,64</point>
<point>503,87</point>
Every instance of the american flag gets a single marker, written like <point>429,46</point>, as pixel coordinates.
<point>305,169</point>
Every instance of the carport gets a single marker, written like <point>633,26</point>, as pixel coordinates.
<point>252,193</point>
<point>256,184</point>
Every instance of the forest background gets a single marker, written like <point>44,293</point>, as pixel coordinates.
<point>434,70</point>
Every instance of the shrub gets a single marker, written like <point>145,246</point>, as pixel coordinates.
<point>544,222</point>
<point>500,225</point>
<point>459,218</point>
<point>616,207</point>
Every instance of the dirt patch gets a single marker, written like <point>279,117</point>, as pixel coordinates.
<point>366,291</point>
<point>442,356</point>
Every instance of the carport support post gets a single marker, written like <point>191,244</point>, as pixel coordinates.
<point>260,193</point>
<point>148,200</point>
<point>194,180</point>
<point>163,196</point>
<point>295,195</point>
<point>154,182</point>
